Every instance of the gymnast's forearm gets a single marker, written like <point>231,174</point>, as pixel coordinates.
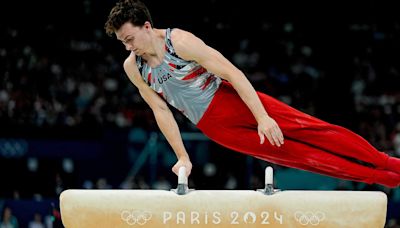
<point>168,126</point>
<point>249,95</point>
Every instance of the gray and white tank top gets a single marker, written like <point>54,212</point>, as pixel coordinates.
<point>185,85</point>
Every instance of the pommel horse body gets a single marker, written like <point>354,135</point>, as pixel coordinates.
<point>184,207</point>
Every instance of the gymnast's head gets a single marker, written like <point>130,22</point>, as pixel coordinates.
<point>133,11</point>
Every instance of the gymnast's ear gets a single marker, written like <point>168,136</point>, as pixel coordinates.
<point>147,25</point>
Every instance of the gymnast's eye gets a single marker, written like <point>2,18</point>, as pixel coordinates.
<point>128,40</point>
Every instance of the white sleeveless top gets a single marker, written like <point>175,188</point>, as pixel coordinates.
<point>185,85</point>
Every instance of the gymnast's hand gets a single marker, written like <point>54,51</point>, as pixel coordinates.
<point>182,162</point>
<point>267,127</point>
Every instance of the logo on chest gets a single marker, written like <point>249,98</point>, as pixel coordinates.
<point>164,78</point>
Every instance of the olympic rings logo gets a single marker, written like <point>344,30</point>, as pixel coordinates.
<point>135,217</point>
<point>305,218</point>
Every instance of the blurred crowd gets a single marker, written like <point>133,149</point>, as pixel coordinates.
<point>59,70</point>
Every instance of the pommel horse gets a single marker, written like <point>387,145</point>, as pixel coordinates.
<point>184,207</point>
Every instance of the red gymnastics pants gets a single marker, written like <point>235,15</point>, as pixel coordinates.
<point>310,143</point>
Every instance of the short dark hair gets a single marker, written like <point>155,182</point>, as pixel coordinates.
<point>133,11</point>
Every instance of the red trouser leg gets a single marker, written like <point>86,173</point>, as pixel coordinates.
<point>310,144</point>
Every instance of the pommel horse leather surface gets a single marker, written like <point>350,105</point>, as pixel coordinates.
<point>222,208</point>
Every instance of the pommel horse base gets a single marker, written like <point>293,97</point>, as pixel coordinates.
<point>222,208</point>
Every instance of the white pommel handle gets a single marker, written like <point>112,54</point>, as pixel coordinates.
<point>269,175</point>
<point>182,178</point>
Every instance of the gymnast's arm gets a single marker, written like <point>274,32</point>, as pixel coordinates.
<point>190,47</point>
<point>163,115</point>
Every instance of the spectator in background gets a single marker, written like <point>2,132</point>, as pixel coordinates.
<point>173,66</point>
<point>36,222</point>
<point>396,140</point>
<point>8,219</point>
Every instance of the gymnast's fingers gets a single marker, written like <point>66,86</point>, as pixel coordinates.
<point>262,138</point>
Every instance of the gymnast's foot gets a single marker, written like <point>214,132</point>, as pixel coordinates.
<point>387,178</point>
<point>393,164</point>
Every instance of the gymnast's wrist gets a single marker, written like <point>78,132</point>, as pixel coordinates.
<point>262,118</point>
<point>184,156</point>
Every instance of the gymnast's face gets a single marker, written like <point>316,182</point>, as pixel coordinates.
<point>135,38</point>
